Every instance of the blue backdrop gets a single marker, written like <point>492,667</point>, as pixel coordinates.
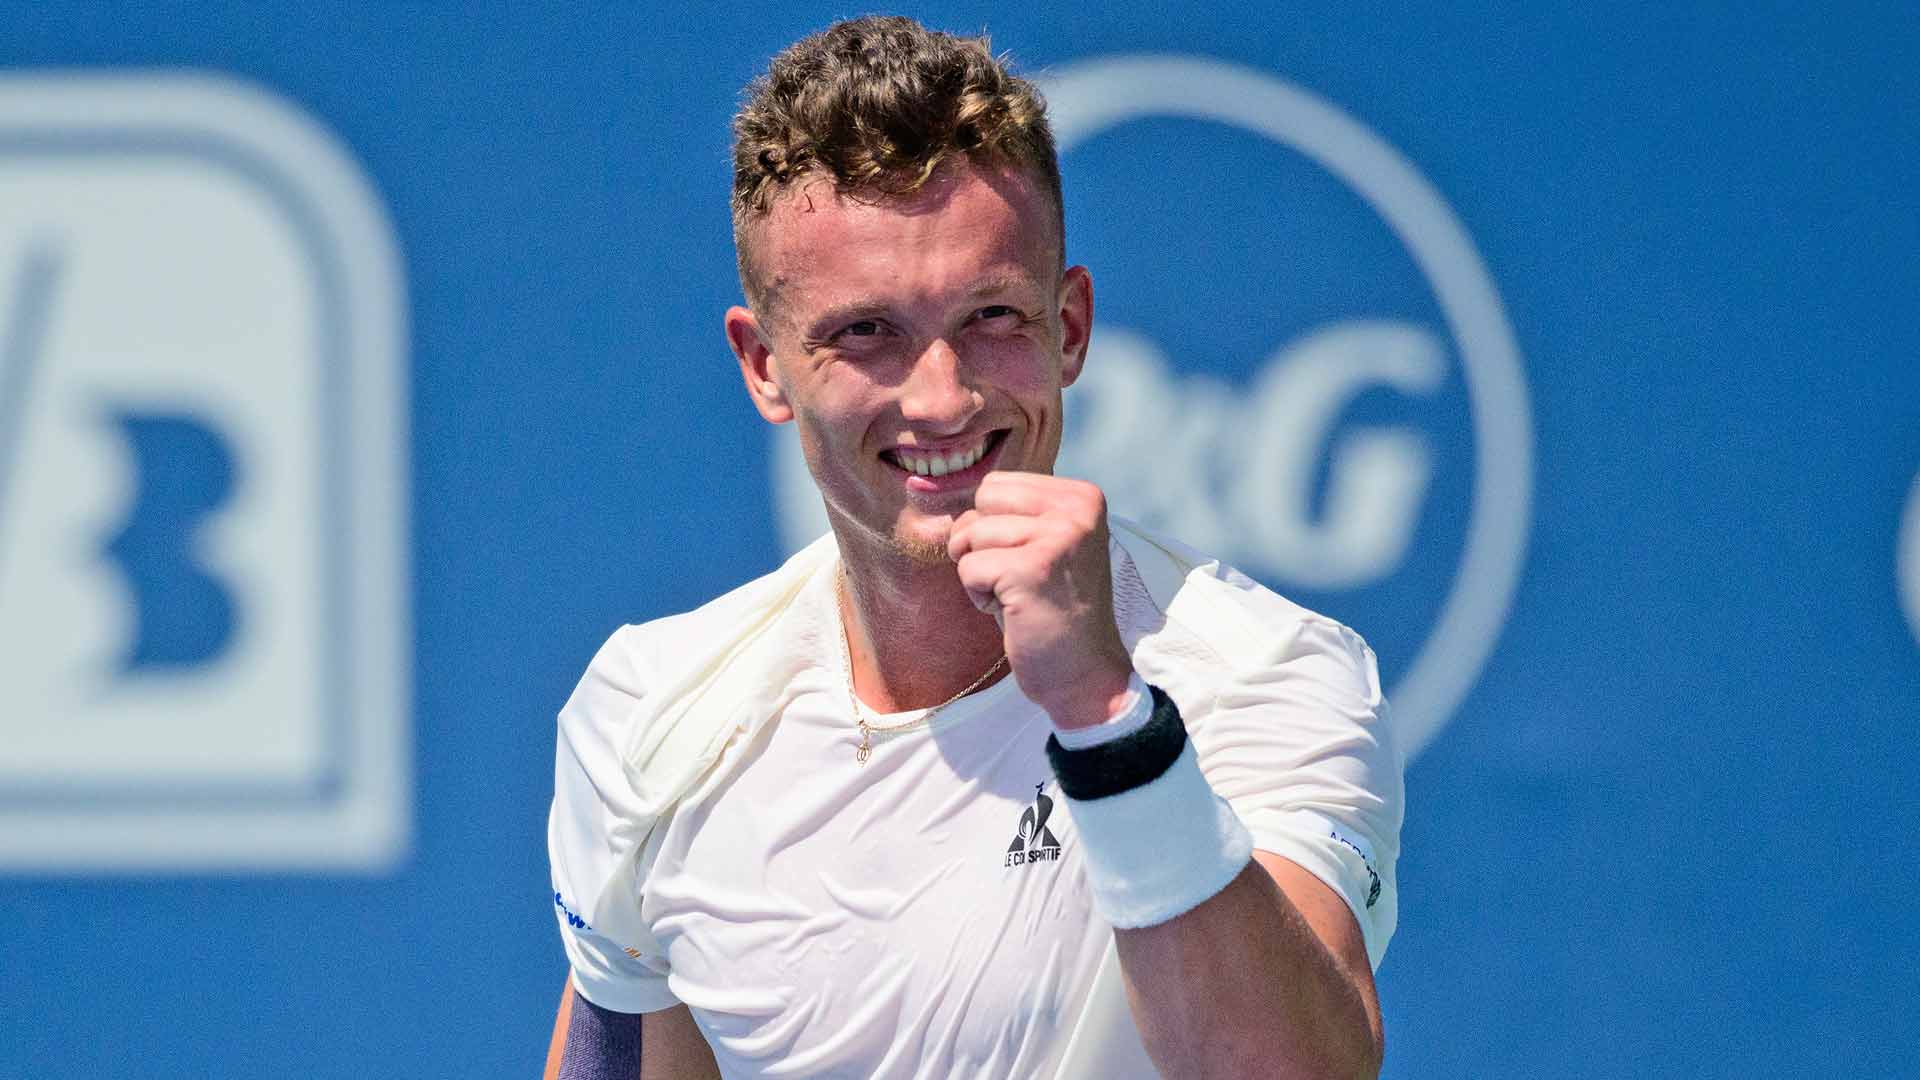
<point>1661,822</point>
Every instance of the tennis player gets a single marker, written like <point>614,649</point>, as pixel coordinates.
<point>887,811</point>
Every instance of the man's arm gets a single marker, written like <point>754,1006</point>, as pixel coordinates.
<point>592,800</point>
<point>592,1043</point>
<point>1269,977</point>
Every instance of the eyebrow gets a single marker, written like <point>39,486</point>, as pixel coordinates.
<point>997,283</point>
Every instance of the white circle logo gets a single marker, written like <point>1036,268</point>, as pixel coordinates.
<point>1156,437</point>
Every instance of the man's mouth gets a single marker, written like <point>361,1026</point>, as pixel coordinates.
<point>942,461</point>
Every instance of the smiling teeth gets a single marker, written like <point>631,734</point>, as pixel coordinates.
<point>923,464</point>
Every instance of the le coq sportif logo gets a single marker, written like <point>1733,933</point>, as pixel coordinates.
<point>1034,843</point>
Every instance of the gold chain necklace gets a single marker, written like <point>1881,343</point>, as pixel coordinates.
<point>865,749</point>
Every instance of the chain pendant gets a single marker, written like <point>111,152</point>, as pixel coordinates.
<point>865,750</point>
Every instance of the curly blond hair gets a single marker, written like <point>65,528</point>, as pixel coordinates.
<point>877,104</point>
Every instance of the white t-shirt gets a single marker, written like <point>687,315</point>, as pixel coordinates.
<point>926,914</point>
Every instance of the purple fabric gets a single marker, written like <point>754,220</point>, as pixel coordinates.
<point>601,1044</point>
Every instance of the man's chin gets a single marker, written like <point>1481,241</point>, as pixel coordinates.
<point>922,547</point>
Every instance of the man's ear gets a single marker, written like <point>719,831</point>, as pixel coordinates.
<point>750,346</point>
<point>1076,322</point>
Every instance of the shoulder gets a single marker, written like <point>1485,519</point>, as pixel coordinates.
<point>641,723</point>
<point>658,695</point>
<point>639,656</point>
<point>1285,711</point>
<point>1185,605</point>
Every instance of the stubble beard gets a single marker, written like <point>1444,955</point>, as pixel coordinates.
<point>921,546</point>
<point>919,549</point>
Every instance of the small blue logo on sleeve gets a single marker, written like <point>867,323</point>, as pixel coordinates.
<point>573,920</point>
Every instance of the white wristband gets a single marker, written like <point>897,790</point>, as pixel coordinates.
<point>1157,850</point>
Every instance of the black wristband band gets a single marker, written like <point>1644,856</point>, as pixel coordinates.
<point>1125,763</point>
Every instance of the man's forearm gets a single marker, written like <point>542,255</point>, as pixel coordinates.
<point>597,1044</point>
<point>1243,985</point>
<point>1237,962</point>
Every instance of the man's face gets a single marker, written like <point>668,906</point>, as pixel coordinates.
<point>917,342</point>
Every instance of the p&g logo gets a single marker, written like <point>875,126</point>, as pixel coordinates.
<point>1372,456</point>
<point>203,624</point>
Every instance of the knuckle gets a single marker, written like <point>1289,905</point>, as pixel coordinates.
<point>1095,499</point>
<point>1083,499</point>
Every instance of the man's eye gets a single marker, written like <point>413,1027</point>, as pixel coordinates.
<point>863,328</point>
<point>995,311</point>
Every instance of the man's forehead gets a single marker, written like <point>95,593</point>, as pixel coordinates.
<point>816,220</point>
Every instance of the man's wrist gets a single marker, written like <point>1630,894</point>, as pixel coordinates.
<point>1095,699</point>
<point>1130,715</point>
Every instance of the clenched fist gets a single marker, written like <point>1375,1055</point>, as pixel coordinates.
<point>1033,551</point>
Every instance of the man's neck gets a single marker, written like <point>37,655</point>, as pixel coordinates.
<point>913,636</point>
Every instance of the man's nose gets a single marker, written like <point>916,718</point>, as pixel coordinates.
<point>936,393</point>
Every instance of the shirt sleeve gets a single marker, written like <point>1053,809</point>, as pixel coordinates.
<point>1300,746</point>
<point>594,835</point>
